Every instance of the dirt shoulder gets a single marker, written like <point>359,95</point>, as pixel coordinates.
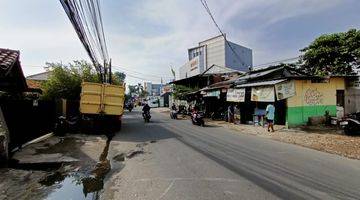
<point>318,138</point>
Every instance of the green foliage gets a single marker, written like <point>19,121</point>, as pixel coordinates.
<point>137,90</point>
<point>333,54</point>
<point>65,80</point>
<point>119,78</point>
<point>180,91</point>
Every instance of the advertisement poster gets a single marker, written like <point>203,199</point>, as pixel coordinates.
<point>263,94</point>
<point>235,95</point>
<point>285,90</point>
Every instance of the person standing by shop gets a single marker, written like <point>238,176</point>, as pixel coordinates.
<point>270,115</point>
<point>231,114</point>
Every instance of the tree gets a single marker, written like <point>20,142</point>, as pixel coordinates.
<point>119,77</point>
<point>332,54</point>
<point>137,90</point>
<point>180,91</point>
<point>65,80</point>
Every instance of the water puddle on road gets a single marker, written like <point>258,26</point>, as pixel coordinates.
<point>72,188</point>
<point>76,185</point>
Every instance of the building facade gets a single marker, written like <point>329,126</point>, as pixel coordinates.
<point>216,51</point>
<point>152,89</point>
<point>314,99</point>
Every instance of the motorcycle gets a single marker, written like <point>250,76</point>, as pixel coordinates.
<point>63,125</point>
<point>173,114</point>
<point>198,119</point>
<point>219,115</point>
<point>146,116</point>
<point>351,124</point>
<point>130,107</point>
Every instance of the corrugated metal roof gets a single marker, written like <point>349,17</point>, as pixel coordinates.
<point>44,76</point>
<point>262,83</point>
<point>257,74</point>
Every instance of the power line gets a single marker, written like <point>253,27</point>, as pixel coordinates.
<point>131,73</point>
<point>279,61</point>
<point>204,3</point>
<point>86,19</point>
<point>125,69</point>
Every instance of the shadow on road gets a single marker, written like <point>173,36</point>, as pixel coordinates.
<point>134,129</point>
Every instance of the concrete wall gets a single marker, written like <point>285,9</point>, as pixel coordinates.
<point>352,100</point>
<point>215,51</point>
<point>312,99</point>
<point>190,69</point>
<point>352,95</point>
<point>233,61</point>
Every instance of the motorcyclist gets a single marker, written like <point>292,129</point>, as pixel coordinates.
<point>173,111</point>
<point>146,109</point>
<point>173,107</point>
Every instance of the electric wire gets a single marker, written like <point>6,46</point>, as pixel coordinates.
<point>207,9</point>
<point>85,16</point>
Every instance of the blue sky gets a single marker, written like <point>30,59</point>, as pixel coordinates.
<point>149,36</point>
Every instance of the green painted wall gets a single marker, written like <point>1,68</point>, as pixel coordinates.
<point>299,115</point>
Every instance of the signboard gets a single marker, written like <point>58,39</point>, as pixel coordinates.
<point>285,90</point>
<point>235,95</point>
<point>263,94</point>
<point>213,93</point>
<point>190,68</point>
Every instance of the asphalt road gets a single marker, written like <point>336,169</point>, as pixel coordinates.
<point>183,161</point>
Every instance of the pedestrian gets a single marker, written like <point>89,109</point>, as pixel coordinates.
<point>270,115</point>
<point>231,114</point>
<point>237,117</point>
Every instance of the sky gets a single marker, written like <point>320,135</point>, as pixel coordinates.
<point>146,37</point>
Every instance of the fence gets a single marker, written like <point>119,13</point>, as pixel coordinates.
<point>27,121</point>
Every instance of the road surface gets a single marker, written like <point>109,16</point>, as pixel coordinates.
<point>183,161</point>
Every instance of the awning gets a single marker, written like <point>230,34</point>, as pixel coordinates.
<point>262,83</point>
<point>213,93</point>
<point>215,88</point>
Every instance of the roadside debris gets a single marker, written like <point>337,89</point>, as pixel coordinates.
<point>120,157</point>
<point>134,153</point>
<point>61,164</point>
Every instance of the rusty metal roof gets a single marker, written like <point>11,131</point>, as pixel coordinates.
<point>7,59</point>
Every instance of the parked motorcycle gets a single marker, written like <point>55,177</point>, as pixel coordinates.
<point>198,119</point>
<point>173,114</point>
<point>219,115</point>
<point>146,116</point>
<point>63,125</point>
<point>351,124</point>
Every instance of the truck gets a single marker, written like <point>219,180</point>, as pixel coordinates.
<point>102,105</point>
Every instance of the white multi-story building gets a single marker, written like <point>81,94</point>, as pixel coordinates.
<point>216,51</point>
<point>152,89</point>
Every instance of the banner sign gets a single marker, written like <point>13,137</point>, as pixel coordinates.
<point>285,90</point>
<point>235,95</point>
<point>214,93</point>
<point>263,94</point>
